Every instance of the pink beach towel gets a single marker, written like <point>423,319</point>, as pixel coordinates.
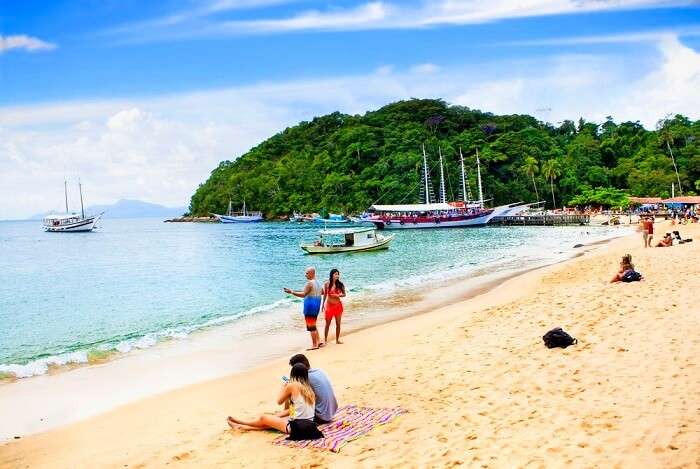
<point>349,423</point>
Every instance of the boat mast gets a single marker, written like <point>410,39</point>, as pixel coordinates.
<point>425,176</point>
<point>244,213</point>
<point>466,194</point>
<point>478,174</point>
<point>65,192</point>
<point>80,188</point>
<point>229,208</point>
<point>442,179</point>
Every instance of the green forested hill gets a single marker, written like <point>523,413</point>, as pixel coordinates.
<point>345,163</point>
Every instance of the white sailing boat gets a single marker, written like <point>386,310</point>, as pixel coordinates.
<point>71,222</point>
<point>239,217</point>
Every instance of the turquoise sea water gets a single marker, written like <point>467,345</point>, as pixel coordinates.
<point>69,297</point>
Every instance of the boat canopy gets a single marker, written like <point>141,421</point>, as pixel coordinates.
<point>344,231</point>
<point>61,216</point>
<point>412,207</point>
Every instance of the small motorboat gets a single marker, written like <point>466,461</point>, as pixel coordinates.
<point>333,219</point>
<point>348,240</point>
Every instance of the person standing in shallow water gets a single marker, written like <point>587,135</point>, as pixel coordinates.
<point>333,291</point>
<point>312,304</point>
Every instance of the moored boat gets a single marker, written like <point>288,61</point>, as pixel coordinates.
<point>333,219</point>
<point>348,240</point>
<point>442,214</point>
<point>71,222</point>
<point>239,217</point>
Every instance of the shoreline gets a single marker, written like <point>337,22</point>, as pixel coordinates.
<point>211,348</point>
<point>503,374</point>
<point>56,363</point>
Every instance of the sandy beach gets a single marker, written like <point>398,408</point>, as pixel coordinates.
<point>480,388</point>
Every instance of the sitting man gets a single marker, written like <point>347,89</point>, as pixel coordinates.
<point>326,404</point>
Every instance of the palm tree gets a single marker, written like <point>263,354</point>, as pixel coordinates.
<point>551,170</point>
<point>531,168</point>
<point>666,136</point>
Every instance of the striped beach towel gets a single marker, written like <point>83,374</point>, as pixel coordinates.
<point>349,423</point>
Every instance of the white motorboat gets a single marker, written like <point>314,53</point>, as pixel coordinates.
<point>71,222</point>
<point>239,217</point>
<point>348,240</point>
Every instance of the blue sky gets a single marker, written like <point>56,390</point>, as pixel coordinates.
<point>143,99</point>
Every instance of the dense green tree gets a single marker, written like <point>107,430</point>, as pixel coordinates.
<point>346,163</point>
<point>551,171</point>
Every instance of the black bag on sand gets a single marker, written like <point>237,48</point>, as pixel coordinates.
<point>631,276</point>
<point>303,429</point>
<point>558,338</point>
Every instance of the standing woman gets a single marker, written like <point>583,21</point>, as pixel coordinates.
<point>333,290</point>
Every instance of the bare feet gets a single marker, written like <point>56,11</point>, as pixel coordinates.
<point>339,342</point>
<point>231,423</point>
<point>314,348</point>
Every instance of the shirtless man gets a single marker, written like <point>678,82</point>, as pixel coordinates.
<point>312,304</point>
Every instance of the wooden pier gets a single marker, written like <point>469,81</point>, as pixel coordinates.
<point>541,220</point>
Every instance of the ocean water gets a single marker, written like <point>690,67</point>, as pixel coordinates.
<point>76,298</point>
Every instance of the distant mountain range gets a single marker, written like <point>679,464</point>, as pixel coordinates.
<point>129,209</point>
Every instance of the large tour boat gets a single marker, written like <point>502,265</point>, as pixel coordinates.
<point>440,214</point>
<point>71,222</point>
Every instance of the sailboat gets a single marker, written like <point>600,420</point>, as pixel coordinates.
<point>239,217</point>
<point>71,222</point>
<point>436,214</point>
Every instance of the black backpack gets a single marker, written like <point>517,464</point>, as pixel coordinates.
<point>558,338</point>
<point>631,276</point>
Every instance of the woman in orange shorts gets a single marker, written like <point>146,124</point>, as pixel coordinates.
<point>333,290</point>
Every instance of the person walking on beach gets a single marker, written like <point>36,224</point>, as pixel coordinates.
<point>333,291</point>
<point>312,304</point>
<point>648,231</point>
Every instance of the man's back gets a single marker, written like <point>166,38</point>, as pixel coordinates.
<point>326,404</point>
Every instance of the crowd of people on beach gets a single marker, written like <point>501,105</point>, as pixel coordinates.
<point>647,228</point>
<point>626,272</point>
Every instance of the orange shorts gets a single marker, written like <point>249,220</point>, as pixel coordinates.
<point>334,310</point>
<point>310,323</point>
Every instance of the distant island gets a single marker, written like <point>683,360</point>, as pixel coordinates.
<point>126,208</point>
<point>344,163</point>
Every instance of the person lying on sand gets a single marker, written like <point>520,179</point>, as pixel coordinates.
<point>625,266</point>
<point>299,398</point>
<point>665,242</point>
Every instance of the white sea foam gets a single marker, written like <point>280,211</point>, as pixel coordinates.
<point>41,366</point>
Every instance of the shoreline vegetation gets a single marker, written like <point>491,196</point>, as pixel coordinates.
<point>479,386</point>
<point>344,163</point>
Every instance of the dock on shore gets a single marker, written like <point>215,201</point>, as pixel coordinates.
<point>542,220</point>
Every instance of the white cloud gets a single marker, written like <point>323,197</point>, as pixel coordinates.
<point>159,149</point>
<point>425,69</point>
<point>376,14</point>
<point>24,42</point>
<point>626,38</point>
